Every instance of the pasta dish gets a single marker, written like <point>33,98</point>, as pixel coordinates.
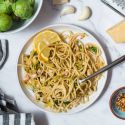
<point>53,69</point>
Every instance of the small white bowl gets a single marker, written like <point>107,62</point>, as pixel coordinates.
<point>22,25</point>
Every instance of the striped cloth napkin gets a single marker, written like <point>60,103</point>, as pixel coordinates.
<point>4,49</point>
<point>17,119</point>
<point>9,114</point>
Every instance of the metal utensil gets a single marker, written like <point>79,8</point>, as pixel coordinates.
<point>117,5</point>
<point>111,65</point>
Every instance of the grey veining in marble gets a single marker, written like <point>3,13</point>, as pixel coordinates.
<point>102,18</point>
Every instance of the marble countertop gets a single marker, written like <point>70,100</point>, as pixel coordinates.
<point>103,18</point>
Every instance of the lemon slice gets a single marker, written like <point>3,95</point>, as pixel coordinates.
<point>44,39</point>
<point>43,56</point>
<point>41,46</point>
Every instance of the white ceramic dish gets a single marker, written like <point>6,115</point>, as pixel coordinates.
<point>22,25</point>
<point>60,28</point>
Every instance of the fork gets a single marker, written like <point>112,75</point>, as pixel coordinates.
<point>111,65</point>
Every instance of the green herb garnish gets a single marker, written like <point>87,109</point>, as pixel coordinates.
<point>66,102</point>
<point>56,102</point>
<point>93,49</point>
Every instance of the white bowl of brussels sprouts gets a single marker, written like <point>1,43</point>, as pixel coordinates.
<point>16,15</point>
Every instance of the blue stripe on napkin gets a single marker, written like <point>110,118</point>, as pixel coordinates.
<point>17,119</point>
<point>5,119</point>
<point>9,113</point>
<point>28,119</point>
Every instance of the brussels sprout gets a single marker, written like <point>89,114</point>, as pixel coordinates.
<point>22,9</point>
<point>32,2</point>
<point>5,7</point>
<point>5,22</point>
<point>1,1</point>
<point>11,1</point>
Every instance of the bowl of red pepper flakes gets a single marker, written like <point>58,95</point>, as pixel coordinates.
<point>117,103</point>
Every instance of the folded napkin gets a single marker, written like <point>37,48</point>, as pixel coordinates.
<point>3,52</point>
<point>9,114</point>
<point>17,119</point>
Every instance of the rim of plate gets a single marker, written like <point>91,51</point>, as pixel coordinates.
<point>30,21</point>
<point>110,102</point>
<point>106,73</point>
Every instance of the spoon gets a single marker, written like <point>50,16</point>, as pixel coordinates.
<point>111,65</point>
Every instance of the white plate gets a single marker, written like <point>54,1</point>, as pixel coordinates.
<point>89,38</point>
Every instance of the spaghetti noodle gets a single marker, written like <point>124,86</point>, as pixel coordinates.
<point>56,82</point>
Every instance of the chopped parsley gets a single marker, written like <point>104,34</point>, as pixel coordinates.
<point>56,102</point>
<point>93,49</point>
<point>66,102</point>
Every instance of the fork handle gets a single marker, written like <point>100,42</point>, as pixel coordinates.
<point>111,65</point>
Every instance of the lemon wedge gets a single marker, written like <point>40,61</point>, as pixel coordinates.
<point>43,56</point>
<point>41,46</point>
<point>41,42</point>
<point>44,39</point>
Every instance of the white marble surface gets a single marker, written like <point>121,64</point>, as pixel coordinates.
<point>99,113</point>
